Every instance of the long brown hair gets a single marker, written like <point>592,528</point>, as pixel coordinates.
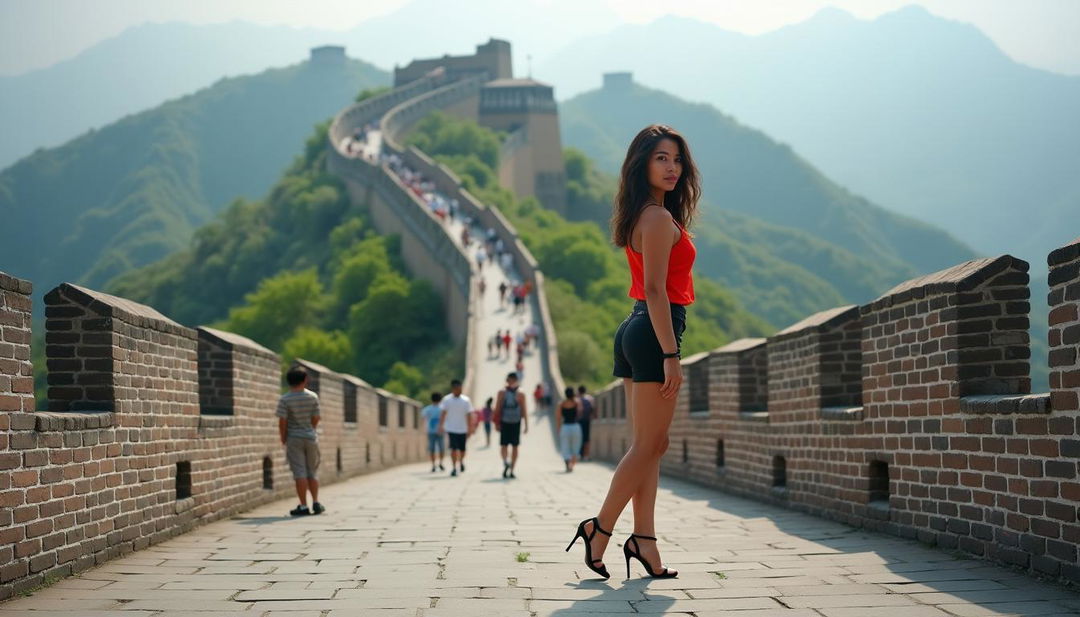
<point>634,186</point>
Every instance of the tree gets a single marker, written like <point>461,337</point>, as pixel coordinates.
<point>406,379</point>
<point>331,349</point>
<point>278,307</point>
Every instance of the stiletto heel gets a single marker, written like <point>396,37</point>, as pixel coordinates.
<point>636,554</point>
<point>589,561</point>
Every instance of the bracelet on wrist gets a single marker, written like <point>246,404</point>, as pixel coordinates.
<point>674,354</point>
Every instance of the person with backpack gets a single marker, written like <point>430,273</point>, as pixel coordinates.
<point>586,405</point>
<point>509,417</point>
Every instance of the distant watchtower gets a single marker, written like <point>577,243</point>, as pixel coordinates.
<point>491,59</point>
<point>328,55</point>
<point>531,161</point>
<point>618,81</point>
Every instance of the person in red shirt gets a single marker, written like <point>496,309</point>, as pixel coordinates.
<point>656,202</point>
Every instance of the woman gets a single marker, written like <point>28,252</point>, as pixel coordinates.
<point>655,204</point>
<point>569,430</point>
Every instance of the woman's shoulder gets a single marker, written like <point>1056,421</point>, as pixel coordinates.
<point>655,213</point>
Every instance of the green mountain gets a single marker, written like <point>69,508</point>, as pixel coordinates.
<point>776,212</point>
<point>131,193</point>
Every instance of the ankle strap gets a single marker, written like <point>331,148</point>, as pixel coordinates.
<point>638,535</point>
<point>597,527</point>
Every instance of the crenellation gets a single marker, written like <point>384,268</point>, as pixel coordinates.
<point>127,455</point>
<point>16,371</point>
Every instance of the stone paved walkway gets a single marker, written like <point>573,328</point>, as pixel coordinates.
<point>406,542</point>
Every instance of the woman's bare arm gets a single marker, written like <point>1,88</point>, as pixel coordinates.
<point>657,237</point>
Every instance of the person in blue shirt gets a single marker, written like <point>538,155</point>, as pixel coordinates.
<point>435,437</point>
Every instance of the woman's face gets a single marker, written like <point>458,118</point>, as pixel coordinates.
<point>665,165</point>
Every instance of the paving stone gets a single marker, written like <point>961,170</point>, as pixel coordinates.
<point>765,612</point>
<point>868,600</point>
<point>895,611</point>
<point>1025,609</point>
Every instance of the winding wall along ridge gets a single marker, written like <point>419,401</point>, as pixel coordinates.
<point>399,116</point>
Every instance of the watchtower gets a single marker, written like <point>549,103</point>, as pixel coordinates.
<point>491,59</point>
<point>531,161</point>
<point>328,55</point>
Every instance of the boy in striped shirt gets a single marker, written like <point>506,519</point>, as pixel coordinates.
<point>298,415</point>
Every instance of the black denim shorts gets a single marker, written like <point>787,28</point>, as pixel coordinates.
<point>637,350</point>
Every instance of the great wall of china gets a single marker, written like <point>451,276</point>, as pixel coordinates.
<point>911,414</point>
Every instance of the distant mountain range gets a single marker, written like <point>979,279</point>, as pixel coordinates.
<point>131,193</point>
<point>923,115</point>
<point>147,65</point>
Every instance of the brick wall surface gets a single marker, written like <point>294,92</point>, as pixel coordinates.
<point>16,374</point>
<point>153,428</point>
<point>911,414</point>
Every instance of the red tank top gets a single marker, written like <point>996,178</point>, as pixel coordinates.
<point>680,282</point>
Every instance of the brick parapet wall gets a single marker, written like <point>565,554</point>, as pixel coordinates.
<point>108,472</point>
<point>941,440</point>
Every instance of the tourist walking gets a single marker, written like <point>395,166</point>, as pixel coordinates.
<point>510,420</point>
<point>538,396</point>
<point>586,405</point>
<point>569,430</point>
<point>502,292</point>
<point>298,415</point>
<point>455,421</point>
<point>436,440</point>
<point>655,204</point>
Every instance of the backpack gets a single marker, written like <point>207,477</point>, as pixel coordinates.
<point>511,411</point>
<point>586,408</point>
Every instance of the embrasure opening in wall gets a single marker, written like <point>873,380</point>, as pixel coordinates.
<point>685,452</point>
<point>339,467</point>
<point>183,479</point>
<point>383,420</point>
<point>215,365</point>
<point>350,401</point>
<point>879,482</point>
<point>779,472</point>
<point>268,473</point>
<point>367,453</point>
<point>719,452</point>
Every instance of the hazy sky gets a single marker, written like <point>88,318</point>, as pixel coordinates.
<point>37,33</point>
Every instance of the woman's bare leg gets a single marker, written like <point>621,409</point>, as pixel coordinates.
<point>650,417</point>
<point>645,497</point>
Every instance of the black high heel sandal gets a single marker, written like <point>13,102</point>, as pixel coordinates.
<point>636,554</point>
<point>589,561</point>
